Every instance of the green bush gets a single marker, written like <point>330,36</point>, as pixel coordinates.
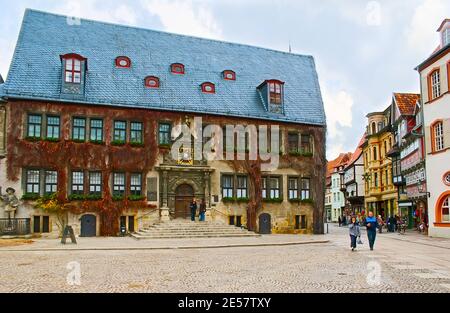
<point>118,142</point>
<point>52,139</point>
<point>136,198</point>
<point>136,144</point>
<point>30,197</point>
<point>97,142</point>
<point>118,198</point>
<point>32,138</point>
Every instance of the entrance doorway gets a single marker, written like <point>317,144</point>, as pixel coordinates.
<point>265,224</point>
<point>88,226</point>
<point>183,198</point>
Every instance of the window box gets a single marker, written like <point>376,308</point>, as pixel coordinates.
<point>137,144</point>
<point>273,200</point>
<point>52,139</point>
<point>295,200</point>
<point>33,139</point>
<point>136,198</point>
<point>116,198</point>
<point>228,199</point>
<point>78,140</point>
<point>97,142</point>
<point>30,197</point>
<point>118,143</point>
<point>93,197</point>
<point>76,197</point>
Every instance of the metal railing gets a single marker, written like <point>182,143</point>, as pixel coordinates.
<point>15,227</point>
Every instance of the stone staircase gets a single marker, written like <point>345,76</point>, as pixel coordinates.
<point>187,229</point>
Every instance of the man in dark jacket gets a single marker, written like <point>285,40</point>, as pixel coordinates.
<point>193,207</point>
<point>202,211</point>
<point>371,225</point>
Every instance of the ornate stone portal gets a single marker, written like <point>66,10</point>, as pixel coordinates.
<point>173,175</point>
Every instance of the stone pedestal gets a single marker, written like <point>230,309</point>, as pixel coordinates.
<point>208,216</point>
<point>165,215</point>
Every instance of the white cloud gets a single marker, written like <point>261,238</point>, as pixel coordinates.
<point>421,33</point>
<point>90,9</point>
<point>338,107</point>
<point>184,17</point>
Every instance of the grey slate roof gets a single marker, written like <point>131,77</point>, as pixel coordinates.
<point>36,67</point>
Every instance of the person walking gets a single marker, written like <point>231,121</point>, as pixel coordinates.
<point>380,224</point>
<point>355,232</point>
<point>202,210</point>
<point>339,221</point>
<point>371,225</point>
<point>193,207</point>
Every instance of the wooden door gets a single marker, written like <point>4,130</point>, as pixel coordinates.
<point>183,198</point>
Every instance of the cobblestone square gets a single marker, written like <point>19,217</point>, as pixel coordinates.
<point>410,263</point>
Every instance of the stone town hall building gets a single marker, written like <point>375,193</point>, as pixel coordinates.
<point>87,113</point>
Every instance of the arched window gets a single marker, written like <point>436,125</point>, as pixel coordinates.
<point>229,75</point>
<point>152,82</point>
<point>445,210</point>
<point>437,136</point>
<point>123,62</point>
<point>73,68</point>
<point>208,88</point>
<point>177,68</point>
<point>434,84</point>
<point>374,128</point>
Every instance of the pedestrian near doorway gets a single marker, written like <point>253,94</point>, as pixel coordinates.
<point>202,211</point>
<point>339,221</point>
<point>193,207</point>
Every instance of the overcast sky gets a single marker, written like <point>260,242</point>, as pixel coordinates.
<point>364,50</point>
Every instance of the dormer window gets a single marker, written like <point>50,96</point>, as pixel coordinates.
<point>229,75</point>
<point>123,62</point>
<point>177,68</point>
<point>73,71</point>
<point>208,88</point>
<point>275,89</point>
<point>74,68</point>
<point>152,82</point>
<point>272,93</point>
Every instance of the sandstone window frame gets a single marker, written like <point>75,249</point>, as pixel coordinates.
<point>50,182</point>
<point>136,132</point>
<point>53,129</point>
<point>227,185</point>
<point>136,184</point>
<point>34,128</point>
<point>293,187</point>
<point>77,182</point>
<point>95,183</point>
<point>79,130</point>
<point>96,129</point>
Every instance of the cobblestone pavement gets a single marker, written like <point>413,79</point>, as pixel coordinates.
<point>396,265</point>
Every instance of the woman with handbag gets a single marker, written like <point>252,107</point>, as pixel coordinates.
<point>355,232</point>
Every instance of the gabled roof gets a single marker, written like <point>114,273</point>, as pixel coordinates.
<point>35,72</point>
<point>358,152</point>
<point>447,20</point>
<point>406,102</point>
<point>341,160</point>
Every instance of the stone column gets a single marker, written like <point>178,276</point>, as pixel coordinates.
<point>207,183</point>
<point>165,214</point>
